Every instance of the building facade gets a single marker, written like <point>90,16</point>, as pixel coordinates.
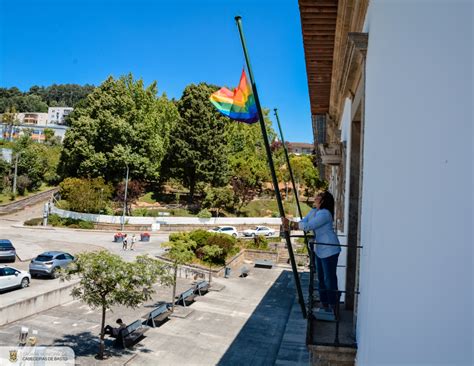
<point>35,124</point>
<point>57,115</point>
<point>300,148</point>
<point>391,91</point>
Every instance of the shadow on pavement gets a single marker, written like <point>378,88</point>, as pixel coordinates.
<point>259,339</point>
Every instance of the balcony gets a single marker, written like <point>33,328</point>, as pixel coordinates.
<point>329,342</point>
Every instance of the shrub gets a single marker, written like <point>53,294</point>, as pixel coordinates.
<point>86,195</point>
<point>259,243</point>
<point>179,236</point>
<point>63,204</point>
<point>204,214</point>
<point>302,250</point>
<point>86,225</point>
<point>225,242</point>
<point>68,221</point>
<point>200,237</point>
<point>73,226</point>
<point>54,220</point>
<point>34,222</point>
<point>180,212</point>
<point>140,212</point>
<point>22,183</point>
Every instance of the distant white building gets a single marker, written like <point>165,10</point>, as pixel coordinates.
<point>36,123</point>
<point>57,115</point>
<point>32,118</point>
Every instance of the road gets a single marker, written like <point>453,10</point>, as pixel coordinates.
<point>31,241</point>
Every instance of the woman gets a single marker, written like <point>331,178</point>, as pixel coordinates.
<point>320,220</point>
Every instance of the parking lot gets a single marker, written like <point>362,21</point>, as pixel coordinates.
<point>30,242</point>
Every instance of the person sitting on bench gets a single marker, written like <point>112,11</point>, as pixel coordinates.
<point>114,331</point>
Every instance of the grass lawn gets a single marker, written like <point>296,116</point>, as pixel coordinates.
<point>148,198</point>
<point>4,199</point>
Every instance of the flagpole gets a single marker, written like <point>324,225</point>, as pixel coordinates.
<point>288,163</point>
<point>291,172</point>
<point>238,19</point>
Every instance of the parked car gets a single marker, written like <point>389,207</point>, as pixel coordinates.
<point>229,230</point>
<point>259,230</point>
<point>49,263</point>
<point>11,277</point>
<point>7,250</point>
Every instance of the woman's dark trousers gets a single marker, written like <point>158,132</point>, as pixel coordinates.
<point>327,277</point>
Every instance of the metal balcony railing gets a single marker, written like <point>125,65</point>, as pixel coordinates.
<point>316,328</point>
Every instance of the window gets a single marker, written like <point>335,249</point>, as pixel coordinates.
<point>61,257</point>
<point>8,271</point>
<point>68,256</point>
<point>44,258</point>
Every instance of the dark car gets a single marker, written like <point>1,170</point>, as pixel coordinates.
<point>49,263</point>
<point>7,250</point>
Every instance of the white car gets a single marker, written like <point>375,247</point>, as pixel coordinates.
<point>11,277</point>
<point>229,230</point>
<point>259,230</point>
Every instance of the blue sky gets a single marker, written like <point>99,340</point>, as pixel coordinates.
<point>172,42</point>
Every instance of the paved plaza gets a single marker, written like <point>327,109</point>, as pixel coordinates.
<point>242,324</point>
<point>244,321</point>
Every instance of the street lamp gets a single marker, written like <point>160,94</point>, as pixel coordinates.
<point>125,199</point>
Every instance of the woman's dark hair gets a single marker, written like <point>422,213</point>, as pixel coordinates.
<point>327,201</point>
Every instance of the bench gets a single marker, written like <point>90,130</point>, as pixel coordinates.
<point>264,263</point>
<point>244,272</point>
<point>201,287</point>
<point>186,296</point>
<point>130,335</point>
<point>157,315</point>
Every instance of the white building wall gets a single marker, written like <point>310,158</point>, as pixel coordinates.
<point>416,305</point>
<point>56,115</point>
<point>346,129</point>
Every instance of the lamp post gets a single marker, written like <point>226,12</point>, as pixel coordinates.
<point>125,199</point>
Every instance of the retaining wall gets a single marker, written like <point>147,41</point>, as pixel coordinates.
<point>35,304</point>
<point>28,201</point>
<point>175,222</point>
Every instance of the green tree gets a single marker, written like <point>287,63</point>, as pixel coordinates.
<point>106,280</point>
<point>211,254</point>
<point>86,195</point>
<point>37,161</point>
<point>198,150</point>
<point>220,198</point>
<point>5,170</point>
<point>247,159</point>
<point>121,122</point>
<point>62,95</point>
<point>48,134</point>
<point>306,173</point>
<point>181,251</point>
<point>10,120</point>
<point>23,103</point>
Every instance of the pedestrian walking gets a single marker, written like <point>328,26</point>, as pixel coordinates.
<point>133,241</point>
<point>124,242</point>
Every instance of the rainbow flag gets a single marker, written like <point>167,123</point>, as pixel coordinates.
<point>238,105</point>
